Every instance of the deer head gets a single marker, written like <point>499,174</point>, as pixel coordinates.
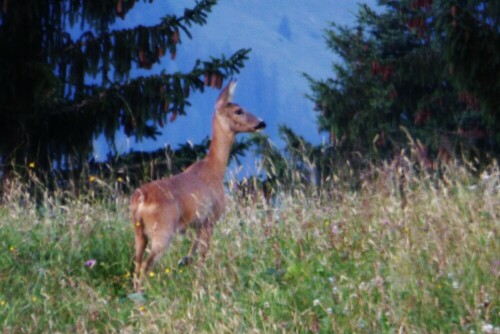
<point>232,117</point>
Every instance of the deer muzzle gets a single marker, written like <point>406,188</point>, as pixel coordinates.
<point>260,126</point>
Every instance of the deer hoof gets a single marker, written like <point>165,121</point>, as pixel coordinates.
<point>185,261</point>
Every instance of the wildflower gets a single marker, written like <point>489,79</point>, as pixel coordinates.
<point>167,271</point>
<point>485,176</point>
<point>92,179</point>
<point>331,279</point>
<point>127,275</point>
<point>12,249</point>
<point>32,165</point>
<point>329,310</point>
<point>496,266</point>
<point>266,305</point>
<point>3,303</point>
<point>316,302</point>
<point>90,263</point>
<point>180,271</point>
<point>34,299</point>
<point>335,229</point>
<point>119,179</point>
<point>488,328</point>
<point>142,308</point>
<point>151,274</point>
<point>455,285</point>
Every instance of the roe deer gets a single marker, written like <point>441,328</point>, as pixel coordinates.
<point>194,198</point>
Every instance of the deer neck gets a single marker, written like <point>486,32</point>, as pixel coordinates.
<point>220,147</point>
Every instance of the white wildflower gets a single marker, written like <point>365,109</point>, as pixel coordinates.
<point>489,328</point>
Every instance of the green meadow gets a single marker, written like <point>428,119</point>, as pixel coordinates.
<point>340,259</point>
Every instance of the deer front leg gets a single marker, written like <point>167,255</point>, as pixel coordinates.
<point>202,240</point>
<point>206,232</point>
<point>188,259</point>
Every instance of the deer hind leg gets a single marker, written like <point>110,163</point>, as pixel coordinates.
<point>159,245</point>
<point>141,242</point>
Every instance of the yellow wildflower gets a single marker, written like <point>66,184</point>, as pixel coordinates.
<point>152,274</point>
<point>92,178</point>
<point>31,165</point>
<point>167,271</point>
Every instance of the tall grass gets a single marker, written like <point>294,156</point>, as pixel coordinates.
<point>335,261</point>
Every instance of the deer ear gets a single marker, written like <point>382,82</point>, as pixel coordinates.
<point>231,87</point>
<point>226,95</point>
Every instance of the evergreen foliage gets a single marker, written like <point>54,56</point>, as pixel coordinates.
<point>471,31</point>
<point>413,69</point>
<point>139,166</point>
<point>66,76</point>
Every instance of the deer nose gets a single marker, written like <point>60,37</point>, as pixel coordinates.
<point>261,125</point>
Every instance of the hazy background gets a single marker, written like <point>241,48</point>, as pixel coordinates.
<point>286,38</point>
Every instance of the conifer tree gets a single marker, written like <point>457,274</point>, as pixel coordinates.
<point>470,31</point>
<point>408,69</point>
<point>66,76</point>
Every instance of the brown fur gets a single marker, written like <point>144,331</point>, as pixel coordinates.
<point>195,198</point>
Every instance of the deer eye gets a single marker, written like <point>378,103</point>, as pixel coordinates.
<point>239,112</point>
